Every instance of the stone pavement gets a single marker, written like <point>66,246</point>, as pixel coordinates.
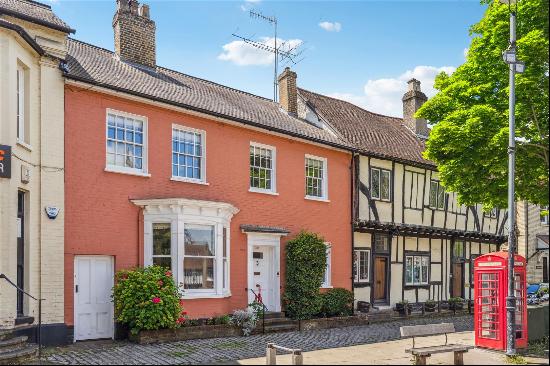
<point>229,350</point>
<point>393,353</point>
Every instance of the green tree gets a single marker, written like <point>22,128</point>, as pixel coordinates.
<point>470,111</point>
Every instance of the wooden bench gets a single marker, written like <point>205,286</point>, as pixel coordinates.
<point>421,353</point>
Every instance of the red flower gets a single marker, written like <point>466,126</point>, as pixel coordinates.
<point>180,320</point>
<point>168,274</point>
<point>156,300</point>
<point>184,312</point>
<point>160,283</point>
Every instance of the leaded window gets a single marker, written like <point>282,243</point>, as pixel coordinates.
<point>380,184</point>
<point>416,270</point>
<point>437,195</point>
<point>361,265</point>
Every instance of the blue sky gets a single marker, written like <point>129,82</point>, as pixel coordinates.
<point>361,51</point>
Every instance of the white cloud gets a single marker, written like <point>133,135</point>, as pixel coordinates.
<point>384,95</point>
<point>244,54</point>
<point>331,26</point>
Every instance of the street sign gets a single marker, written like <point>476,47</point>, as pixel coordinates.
<point>5,161</point>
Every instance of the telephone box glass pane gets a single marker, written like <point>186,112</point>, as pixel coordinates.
<point>488,287</point>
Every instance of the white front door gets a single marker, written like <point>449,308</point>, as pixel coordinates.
<point>94,276</point>
<point>264,275</point>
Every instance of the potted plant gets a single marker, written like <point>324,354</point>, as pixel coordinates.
<point>429,306</point>
<point>363,306</point>
<point>456,303</point>
<point>403,307</point>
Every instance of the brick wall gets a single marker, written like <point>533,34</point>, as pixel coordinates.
<point>100,219</point>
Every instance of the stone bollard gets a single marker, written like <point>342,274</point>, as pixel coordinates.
<point>271,355</point>
<point>297,358</point>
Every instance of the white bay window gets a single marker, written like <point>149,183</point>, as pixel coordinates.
<point>191,238</point>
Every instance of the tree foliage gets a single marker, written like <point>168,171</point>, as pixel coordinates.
<point>470,111</point>
<point>306,257</point>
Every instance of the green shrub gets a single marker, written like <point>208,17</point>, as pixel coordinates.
<point>257,308</point>
<point>337,302</point>
<point>306,257</point>
<point>147,298</point>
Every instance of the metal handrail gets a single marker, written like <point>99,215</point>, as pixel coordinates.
<point>39,333</point>
<point>259,300</point>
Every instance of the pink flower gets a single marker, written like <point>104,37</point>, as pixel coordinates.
<point>160,283</point>
<point>156,300</point>
<point>168,274</point>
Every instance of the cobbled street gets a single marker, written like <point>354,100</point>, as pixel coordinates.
<point>226,350</point>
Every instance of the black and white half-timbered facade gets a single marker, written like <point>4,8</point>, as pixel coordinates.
<point>412,240</point>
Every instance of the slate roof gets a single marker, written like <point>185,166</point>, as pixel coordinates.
<point>91,64</point>
<point>371,133</point>
<point>34,12</point>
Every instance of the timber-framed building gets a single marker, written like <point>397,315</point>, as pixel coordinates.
<point>412,240</point>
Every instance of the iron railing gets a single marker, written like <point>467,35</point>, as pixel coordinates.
<point>39,330</point>
<point>258,299</point>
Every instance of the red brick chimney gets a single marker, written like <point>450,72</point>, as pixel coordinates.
<point>288,93</point>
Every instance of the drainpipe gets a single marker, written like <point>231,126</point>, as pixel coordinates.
<point>352,185</point>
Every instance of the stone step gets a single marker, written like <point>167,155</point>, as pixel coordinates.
<point>19,356</point>
<point>12,344</point>
<point>279,321</point>
<point>281,328</point>
<point>274,315</point>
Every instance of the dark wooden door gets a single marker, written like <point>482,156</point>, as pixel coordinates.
<point>457,280</point>
<point>380,270</point>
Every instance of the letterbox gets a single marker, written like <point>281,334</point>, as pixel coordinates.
<point>490,292</point>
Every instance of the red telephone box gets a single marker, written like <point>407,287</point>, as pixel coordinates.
<point>490,291</point>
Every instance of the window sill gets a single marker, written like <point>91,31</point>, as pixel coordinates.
<point>187,180</point>
<point>198,295</point>
<point>318,199</point>
<point>128,172</point>
<point>264,191</point>
<point>327,287</point>
<point>381,200</point>
<point>24,145</point>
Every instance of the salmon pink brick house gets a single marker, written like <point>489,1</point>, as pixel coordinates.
<point>164,168</point>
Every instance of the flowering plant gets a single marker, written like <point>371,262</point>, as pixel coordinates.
<point>147,298</point>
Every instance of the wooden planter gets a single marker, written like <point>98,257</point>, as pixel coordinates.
<point>335,322</point>
<point>185,333</point>
<point>429,308</point>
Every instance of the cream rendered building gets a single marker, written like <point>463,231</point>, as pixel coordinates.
<point>533,240</point>
<point>32,48</point>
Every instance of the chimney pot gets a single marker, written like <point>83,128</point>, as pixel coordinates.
<point>288,92</point>
<point>412,101</point>
<point>144,10</point>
